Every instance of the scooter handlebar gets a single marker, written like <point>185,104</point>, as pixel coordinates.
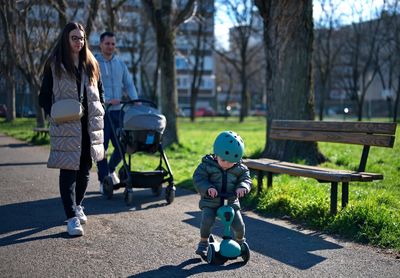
<point>225,195</point>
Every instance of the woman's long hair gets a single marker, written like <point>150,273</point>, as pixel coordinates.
<point>61,55</point>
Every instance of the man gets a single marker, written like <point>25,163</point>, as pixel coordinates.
<point>118,84</point>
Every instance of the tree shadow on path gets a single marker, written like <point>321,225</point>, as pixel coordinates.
<point>183,270</point>
<point>21,222</point>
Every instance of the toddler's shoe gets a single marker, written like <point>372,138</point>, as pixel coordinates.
<point>202,248</point>
<point>80,214</point>
<point>74,227</point>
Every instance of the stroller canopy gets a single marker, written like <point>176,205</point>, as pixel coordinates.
<point>143,117</point>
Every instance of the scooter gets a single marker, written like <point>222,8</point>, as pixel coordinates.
<point>227,249</point>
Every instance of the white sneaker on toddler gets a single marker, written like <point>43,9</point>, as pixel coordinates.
<point>80,214</point>
<point>114,178</point>
<point>74,227</point>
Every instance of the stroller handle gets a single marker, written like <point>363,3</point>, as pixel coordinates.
<point>139,100</point>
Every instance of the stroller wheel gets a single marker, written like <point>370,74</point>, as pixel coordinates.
<point>128,196</point>
<point>170,193</point>
<point>157,190</point>
<point>108,187</point>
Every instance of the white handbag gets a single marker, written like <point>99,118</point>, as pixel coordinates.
<point>68,110</point>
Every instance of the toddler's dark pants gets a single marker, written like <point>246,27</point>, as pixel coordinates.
<point>208,220</point>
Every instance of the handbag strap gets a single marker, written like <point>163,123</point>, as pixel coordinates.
<point>83,79</point>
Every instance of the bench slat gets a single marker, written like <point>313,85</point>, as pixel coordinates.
<point>319,173</point>
<point>349,127</point>
<point>334,137</point>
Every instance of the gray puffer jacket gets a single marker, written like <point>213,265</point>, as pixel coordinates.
<point>210,174</point>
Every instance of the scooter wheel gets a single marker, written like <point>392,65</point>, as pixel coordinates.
<point>214,257</point>
<point>245,252</point>
<point>108,187</point>
<point>211,254</point>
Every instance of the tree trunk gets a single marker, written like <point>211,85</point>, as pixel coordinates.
<point>244,92</point>
<point>40,120</point>
<point>169,96</point>
<point>193,101</point>
<point>322,102</point>
<point>288,37</point>
<point>360,110</point>
<point>93,11</point>
<point>396,102</point>
<point>161,14</point>
<point>10,85</point>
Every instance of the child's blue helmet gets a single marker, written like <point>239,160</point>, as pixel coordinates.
<point>229,146</point>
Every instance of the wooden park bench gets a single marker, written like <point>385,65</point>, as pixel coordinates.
<point>359,133</point>
<point>41,131</point>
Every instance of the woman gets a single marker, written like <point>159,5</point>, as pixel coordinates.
<point>74,144</point>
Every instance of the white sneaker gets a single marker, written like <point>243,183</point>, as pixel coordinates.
<point>101,188</point>
<point>74,227</point>
<point>114,178</point>
<point>80,214</point>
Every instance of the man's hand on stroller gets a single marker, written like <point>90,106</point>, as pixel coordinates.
<point>240,192</point>
<point>212,192</point>
<point>115,101</point>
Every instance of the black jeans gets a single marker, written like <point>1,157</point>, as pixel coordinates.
<point>73,184</point>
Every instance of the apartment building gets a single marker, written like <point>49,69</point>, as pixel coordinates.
<point>136,45</point>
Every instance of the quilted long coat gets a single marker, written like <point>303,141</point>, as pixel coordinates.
<point>66,138</point>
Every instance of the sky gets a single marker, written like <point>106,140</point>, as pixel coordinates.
<point>364,7</point>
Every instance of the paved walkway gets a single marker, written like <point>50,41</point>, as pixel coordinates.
<point>149,239</point>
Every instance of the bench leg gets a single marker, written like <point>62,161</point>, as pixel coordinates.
<point>334,191</point>
<point>269,181</point>
<point>260,176</point>
<point>345,194</point>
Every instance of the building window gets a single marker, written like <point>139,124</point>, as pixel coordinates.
<point>181,63</point>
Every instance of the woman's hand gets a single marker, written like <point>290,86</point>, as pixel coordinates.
<point>212,192</point>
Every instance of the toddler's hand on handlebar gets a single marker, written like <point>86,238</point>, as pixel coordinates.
<point>212,192</point>
<point>240,192</point>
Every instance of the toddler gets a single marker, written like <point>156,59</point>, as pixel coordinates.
<point>222,172</point>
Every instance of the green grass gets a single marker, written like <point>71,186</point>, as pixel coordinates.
<point>373,213</point>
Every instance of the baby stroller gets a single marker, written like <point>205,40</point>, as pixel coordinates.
<point>142,129</point>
